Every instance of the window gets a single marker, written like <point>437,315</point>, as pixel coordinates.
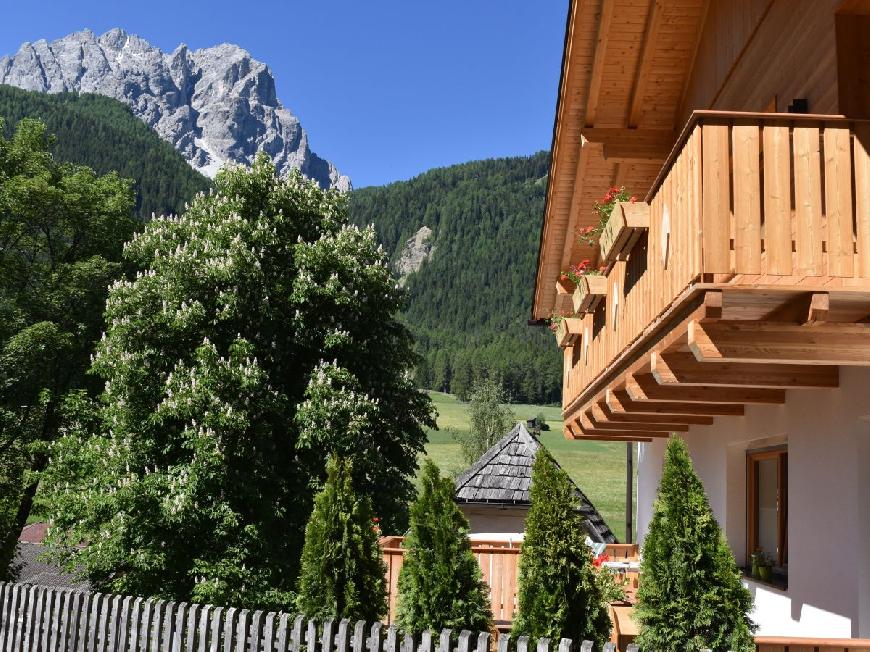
<point>767,505</point>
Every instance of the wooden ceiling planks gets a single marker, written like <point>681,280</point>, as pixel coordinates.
<point>614,76</point>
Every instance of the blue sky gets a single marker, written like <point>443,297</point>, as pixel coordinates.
<point>385,88</point>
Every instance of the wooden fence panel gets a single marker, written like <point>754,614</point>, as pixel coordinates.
<point>838,200</point>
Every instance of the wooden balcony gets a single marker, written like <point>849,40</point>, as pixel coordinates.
<point>759,224</point>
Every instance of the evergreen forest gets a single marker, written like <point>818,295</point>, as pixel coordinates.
<point>469,303</point>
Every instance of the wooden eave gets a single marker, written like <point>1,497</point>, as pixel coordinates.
<point>625,66</point>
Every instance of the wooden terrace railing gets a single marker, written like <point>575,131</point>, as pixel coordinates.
<point>757,200</point>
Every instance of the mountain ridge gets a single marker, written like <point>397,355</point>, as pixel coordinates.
<point>215,105</point>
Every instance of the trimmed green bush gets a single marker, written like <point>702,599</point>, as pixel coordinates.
<point>343,571</point>
<point>690,595</point>
<point>440,584</point>
<point>559,594</point>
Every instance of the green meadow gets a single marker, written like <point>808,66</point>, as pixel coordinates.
<point>597,467</point>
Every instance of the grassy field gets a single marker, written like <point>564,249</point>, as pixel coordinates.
<point>598,468</point>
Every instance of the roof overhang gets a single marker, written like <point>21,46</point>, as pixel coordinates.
<point>625,67</point>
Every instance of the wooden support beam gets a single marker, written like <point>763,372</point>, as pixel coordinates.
<point>806,308</point>
<point>619,435</point>
<point>644,387</point>
<point>592,420</point>
<point>680,368</point>
<point>631,144</point>
<point>780,343</point>
<point>620,401</point>
<point>597,75</point>
<point>689,419</point>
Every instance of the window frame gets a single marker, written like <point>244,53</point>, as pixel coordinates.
<point>780,453</point>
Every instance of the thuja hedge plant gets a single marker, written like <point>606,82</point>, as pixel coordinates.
<point>560,593</point>
<point>440,584</point>
<point>343,571</point>
<point>690,595</point>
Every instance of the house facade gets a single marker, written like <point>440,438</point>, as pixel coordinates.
<point>733,304</point>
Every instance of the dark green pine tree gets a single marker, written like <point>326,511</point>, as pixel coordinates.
<point>343,571</point>
<point>440,584</point>
<point>559,596</point>
<point>690,595</point>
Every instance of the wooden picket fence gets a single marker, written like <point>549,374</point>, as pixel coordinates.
<point>44,619</point>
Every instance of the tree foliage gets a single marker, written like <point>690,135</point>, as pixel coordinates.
<point>490,419</point>
<point>440,583</point>
<point>559,594</point>
<point>469,304</point>
<point>61,232</point>
<point>691,596</point>
<point>343,571</point>
<point>103,133</point>
<point>255,338</point>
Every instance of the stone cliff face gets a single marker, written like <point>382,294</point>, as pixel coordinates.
<point>216,105</point>
<point>418,248</point>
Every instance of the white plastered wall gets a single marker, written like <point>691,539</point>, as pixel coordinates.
<point>828,437</point>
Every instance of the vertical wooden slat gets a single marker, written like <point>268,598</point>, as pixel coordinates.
<point>80,624</point>
<point>358,639</point>
<point>31,626</point>
<point>269,632</point>
<point>229,626</point>
<point>504,641</point>
<point>808,200</point>
<point>63,637</point>
<point>838,201</point>
<point>114,617</point>
<point>52,625</point>
<point>482,642</point>
<point>145,627</point>
<point>464,641</point>
<point>192,621</point>
<point>94,621</point>
<point>24,598</point>
<point>282,632</point>
<point>862,198</point>
<point>716,214</point>
<point>242,630</point>
<point>202,636</point>
<point>135,614</point>
<point>747,198</point>
<point>178,626</point>
<point>425,642</point>
<point>124,624</point>
<point>168,627</point>
<point>215,633</point>
<point>296,633</point>
<point>374,641</point>
<point>444,641</point>
<point>156,624</point>
<point>254,637</point>
<point>311,635</point>
<point>343,637</point>
<point>777,199</point>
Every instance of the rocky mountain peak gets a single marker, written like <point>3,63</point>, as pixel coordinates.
<point>216,105</point>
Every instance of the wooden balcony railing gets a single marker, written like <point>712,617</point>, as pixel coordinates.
<point>756,200</point>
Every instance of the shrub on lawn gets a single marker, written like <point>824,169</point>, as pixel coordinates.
<point>690,595</point>
<point>440,584</point>
<point>559,593</point>
<point>343,570</point>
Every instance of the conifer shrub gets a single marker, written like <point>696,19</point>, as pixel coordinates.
<point>559,593</point>
<point>343,571</point>
<point>440,584</point>
<point>690,595</point>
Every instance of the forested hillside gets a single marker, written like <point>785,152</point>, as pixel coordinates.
<point>103,134</point>
<point>469,303</point>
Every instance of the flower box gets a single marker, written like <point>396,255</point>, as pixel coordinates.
<point>589,293</point>
<point>564,285</point>
<point>628,221</point>
<point>569,331</point>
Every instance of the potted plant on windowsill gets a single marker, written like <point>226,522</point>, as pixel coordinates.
<point>590,286</point>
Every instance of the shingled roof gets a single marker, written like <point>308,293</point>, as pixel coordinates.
<point>503,476</point>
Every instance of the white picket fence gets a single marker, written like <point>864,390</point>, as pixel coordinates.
<point>44,619</point>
